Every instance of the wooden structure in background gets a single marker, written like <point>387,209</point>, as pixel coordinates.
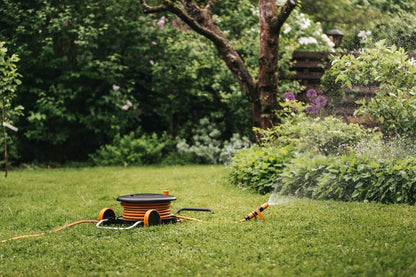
<point>310,67</point>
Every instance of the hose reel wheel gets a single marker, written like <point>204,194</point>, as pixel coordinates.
<point>106,213</point>
<point>151,218</point>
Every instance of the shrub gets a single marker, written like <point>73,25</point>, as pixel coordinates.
<point>391,69</point>
<point>258,168</point>
<point>129,150</point>
<point>301,175</point>
<point>329,159</point>
<point>207,145</point>
<point>350,178</point>
<point>326,136</point>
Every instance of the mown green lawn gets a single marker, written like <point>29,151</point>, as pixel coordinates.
<point>300,238</point>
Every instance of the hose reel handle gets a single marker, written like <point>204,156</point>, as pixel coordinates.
<point>195,210</point>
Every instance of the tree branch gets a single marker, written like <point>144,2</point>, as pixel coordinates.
<point>200,20</point>
<point>149,9</point>
<point>287,8</point>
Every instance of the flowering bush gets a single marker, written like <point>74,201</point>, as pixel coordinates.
<point>289,96</point>
<point>207,146</point>
<point>316,102</point>
<point>305,34</point>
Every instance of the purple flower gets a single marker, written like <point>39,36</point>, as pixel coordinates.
<point>152,62</point>
<point>289,96</point>
<point>320,101</point>
<point>154,43</point>
<point>116,88</point>
<point>311,93</point>
<point>311,109</point>
<point>161,22</point>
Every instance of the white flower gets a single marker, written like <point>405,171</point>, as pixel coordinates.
<point>254,11</point>
<point>308,40</point>
<point>364,34</point>
<point>327,40</point>
<point>286,28</point>
<point>305,23</point>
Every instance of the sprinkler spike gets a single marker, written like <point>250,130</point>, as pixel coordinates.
<point>256,212</point>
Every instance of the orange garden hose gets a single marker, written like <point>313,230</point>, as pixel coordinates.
<point>135,211</point>
<point>48,232</point>
<point>188,218</point>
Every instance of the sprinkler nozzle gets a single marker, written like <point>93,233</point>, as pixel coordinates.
<point>256,212</point>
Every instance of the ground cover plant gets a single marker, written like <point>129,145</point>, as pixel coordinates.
<point>301,238</point>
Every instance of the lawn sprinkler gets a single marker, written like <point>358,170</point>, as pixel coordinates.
<point>256,212</point>
<point>146,209</point>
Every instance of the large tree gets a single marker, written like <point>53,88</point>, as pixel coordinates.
<point>262,92</point>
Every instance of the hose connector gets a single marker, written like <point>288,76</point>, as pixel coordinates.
<point>256,212</point>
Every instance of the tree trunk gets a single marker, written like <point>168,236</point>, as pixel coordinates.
<point>268,63</point>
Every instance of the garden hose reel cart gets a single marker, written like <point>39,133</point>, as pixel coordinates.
<point>144,209</point>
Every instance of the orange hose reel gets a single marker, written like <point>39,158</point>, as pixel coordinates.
<point>146,209</point>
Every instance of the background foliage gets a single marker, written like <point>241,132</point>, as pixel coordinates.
<point>385,19</point>
<point>83,61</point>
<point>9,80</point>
